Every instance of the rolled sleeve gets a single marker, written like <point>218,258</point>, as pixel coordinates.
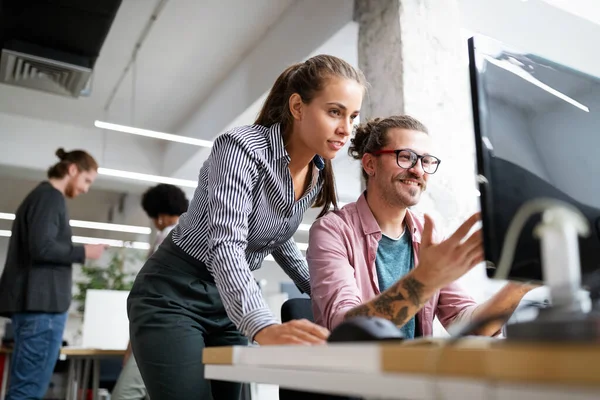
<point>293,263</point>
<point>231,177</point>
<point>333,286</point>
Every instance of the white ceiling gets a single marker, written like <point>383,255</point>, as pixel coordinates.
<point>586,9</point>
<point>192,47</point>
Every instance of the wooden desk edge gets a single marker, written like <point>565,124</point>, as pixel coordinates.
<point>219,355</point>
<point>66,351</point>
<point>563,364</point>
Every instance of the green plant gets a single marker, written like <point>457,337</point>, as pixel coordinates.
<point>113,276</point>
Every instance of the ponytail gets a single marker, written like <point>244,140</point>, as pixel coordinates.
<point>275,109</point>
<point>307,79</point>
<point>327,196</point>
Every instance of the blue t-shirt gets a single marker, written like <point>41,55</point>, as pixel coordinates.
<point>394,260</point>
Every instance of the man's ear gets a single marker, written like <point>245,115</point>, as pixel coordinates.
<point>73,170</point>
<point>368,163</point>
<point>296,106</point>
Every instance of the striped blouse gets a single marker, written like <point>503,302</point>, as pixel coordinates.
<point>243,210</point>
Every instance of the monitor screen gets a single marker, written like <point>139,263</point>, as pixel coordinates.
<point>537,131</point>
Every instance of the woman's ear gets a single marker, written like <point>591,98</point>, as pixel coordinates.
<point>296,106</point>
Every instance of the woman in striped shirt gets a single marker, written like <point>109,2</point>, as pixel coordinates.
<point>197,289</point>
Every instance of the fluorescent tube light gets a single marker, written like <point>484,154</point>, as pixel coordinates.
<point>146,177</point>
<point>7,216</point>
<point>90,240</point>
<point>510,67</point>
<point>144,230</point>
<point>153,134</point>
<point>110,242</point>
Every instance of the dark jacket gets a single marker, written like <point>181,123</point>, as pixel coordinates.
<point>37,276</point>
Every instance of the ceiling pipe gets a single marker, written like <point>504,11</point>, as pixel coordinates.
<point>155,14</point>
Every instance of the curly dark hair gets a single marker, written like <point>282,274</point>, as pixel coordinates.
<point>164,199</point>
<point>371,136</point>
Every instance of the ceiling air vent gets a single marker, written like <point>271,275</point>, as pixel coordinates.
<point>33,72</point>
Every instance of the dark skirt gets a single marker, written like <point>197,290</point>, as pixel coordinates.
<point>175,311</point>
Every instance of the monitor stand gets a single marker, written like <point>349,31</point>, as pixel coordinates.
<point>565,320</point>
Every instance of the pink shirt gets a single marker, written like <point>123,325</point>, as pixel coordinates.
<point>341,259</point>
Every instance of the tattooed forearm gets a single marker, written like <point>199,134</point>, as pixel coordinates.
<point>414,289</point>
<point>384,304</point>
<point>401,316</point>
<point>393,304</point>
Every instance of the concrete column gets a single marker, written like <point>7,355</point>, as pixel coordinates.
<point>412,53</point>
<point>413,56</point>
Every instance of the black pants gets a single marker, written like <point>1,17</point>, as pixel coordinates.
<point>175,311</point>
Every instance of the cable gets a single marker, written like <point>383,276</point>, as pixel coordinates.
<point>518,222</point>
<point>506,259</point>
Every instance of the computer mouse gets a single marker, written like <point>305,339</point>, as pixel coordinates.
<point>365,329</point>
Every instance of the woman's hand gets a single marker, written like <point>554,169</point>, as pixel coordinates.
<point>298,331</point>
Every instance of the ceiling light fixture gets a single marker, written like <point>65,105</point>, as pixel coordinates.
<point>111,242</point>
<point>144,230</point>
<point>152,134</point>
<point>146,177</point>
<point>122,228</point>
<point>7,216</point>
<point>91,240</point>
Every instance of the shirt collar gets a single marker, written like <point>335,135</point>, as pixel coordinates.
<point>370,225</point>
<point>278,147</point>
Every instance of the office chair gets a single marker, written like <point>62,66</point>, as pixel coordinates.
<point>299,308</point>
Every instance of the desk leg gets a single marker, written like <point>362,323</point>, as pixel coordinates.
<point>5,373</point>
<point>71,380</point>
<point>79,378</point>
<point>95,378</point>
<point>86,377</point>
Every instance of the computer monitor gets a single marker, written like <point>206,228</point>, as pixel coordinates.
<point>537,131</point>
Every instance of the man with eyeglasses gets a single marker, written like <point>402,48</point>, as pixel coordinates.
<point>362,258</point>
